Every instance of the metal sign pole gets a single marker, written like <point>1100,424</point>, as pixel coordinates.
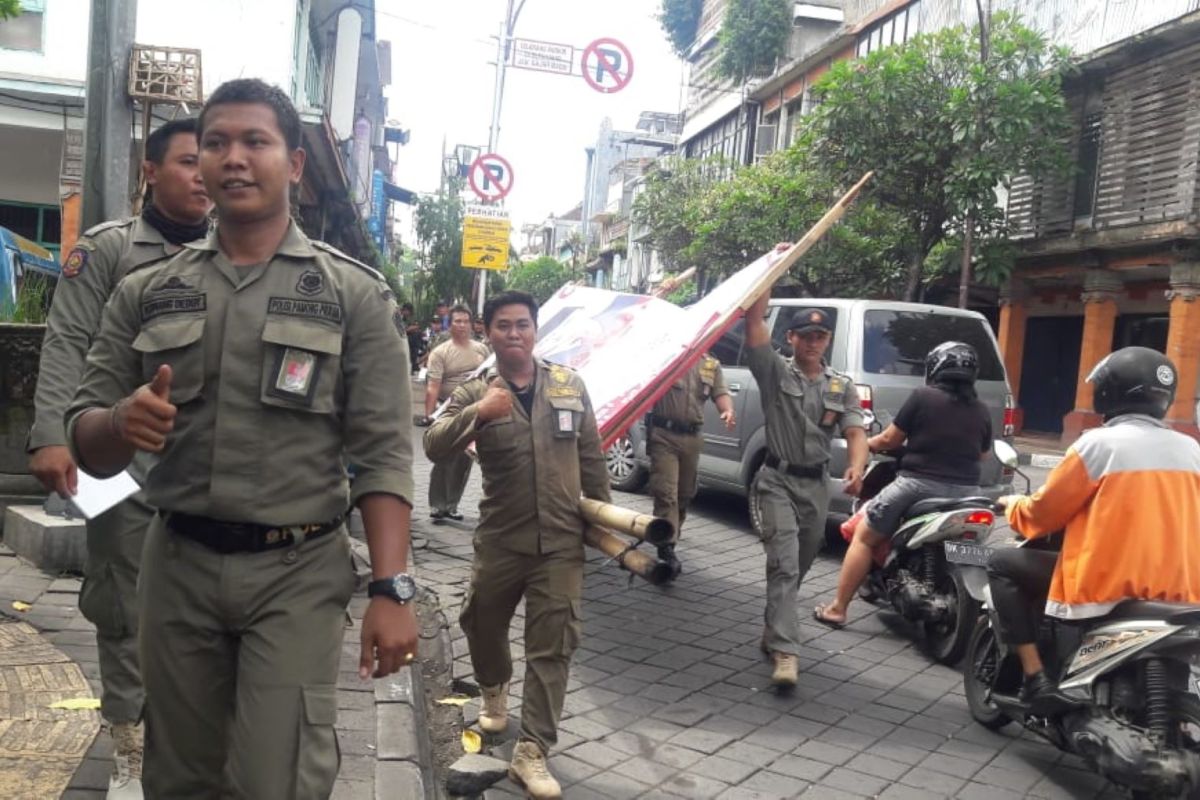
<point>502,43</point>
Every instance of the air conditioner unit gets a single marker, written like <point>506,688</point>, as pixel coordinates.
<point>764,140</point>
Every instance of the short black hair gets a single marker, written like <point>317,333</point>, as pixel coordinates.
<point>158,142</point>
<point>253,90</point>
<point>509,298</point>
<point>441,303</point>
<point>460,309</point>
<point>406,306</point>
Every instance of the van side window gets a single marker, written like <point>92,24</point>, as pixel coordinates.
<point>896,342</point>
<point>728,349</point>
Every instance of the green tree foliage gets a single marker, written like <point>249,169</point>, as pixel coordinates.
<point>720,226</point>
<point>439,221</point>
<point>680,20</point>
<point>541,277</point>
<point>753,34</point>
<point>942,129</point>
<point>9,8</point>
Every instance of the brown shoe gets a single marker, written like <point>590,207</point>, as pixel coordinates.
<point>493,712</point>
<point>528,768</point>
<point>787,669</point>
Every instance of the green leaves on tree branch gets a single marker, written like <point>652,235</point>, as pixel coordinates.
<point>753,35</point>
<point>680,20</point>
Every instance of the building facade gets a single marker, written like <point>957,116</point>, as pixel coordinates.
<point>323,53</point>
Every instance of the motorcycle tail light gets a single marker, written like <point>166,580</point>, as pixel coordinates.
<point>980,518</point>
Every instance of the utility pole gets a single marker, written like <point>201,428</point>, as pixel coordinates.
<point>502,44</point>
<point>964,276</point>
<point>108,111</point>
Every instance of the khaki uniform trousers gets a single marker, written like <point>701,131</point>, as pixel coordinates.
<point>552,585</point>
<point>240,658</point>
<point>448,481</point>
<point>789,516</point>
<point>108,599</point>
<point>674,458</point>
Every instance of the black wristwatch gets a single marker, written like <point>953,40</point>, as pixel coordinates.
<point>401,588</point>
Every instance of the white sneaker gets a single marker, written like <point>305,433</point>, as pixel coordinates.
<point>126,780</point>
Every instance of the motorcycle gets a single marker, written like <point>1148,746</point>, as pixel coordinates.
<point>1132,674</point>
<point>914,577</point>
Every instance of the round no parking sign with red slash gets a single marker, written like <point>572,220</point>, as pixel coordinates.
<point>607,65</point>
<point>491,177</point>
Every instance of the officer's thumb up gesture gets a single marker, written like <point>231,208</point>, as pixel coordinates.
<point>496,403</point>
<point>145,417</point>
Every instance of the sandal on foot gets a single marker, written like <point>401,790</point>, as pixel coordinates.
<point>819,615</point>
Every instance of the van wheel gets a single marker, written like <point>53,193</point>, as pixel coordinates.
<point>624,473</point>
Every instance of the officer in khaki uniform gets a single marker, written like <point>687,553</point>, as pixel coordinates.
<point>674,443</point>
<point>450,364</point>
<point>176,211</point>
<point>267,362</point>
<point>805,404</point>
<point>535,434</point>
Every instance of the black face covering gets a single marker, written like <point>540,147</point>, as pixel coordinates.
<point>174,232</point>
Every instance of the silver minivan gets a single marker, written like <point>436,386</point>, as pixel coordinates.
<point>880,344</point>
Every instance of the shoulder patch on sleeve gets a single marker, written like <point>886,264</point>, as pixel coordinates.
<point>78,258</point>
<point>333,251</point>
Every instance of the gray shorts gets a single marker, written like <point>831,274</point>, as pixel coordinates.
<point>886,510</point>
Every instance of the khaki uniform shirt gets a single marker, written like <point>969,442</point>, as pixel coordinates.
<point>91,271</point>
<point>452,364</point>
<point>284,373</point>
<point>535,467</point>
<point>802,415</point>
<point>685,400</point>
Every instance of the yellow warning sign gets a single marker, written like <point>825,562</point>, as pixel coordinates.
<point>486,232</point>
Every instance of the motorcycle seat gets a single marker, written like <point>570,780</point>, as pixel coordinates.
<point>1175,613</point>
<point>932,504</point>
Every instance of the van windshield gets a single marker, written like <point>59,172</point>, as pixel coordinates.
<point>896,342</point>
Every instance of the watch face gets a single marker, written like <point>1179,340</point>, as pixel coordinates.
<point>405,587</point>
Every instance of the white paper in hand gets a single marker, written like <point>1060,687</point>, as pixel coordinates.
<point>94,495</point>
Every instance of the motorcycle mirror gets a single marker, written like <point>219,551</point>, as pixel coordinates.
<point>1006,453</point>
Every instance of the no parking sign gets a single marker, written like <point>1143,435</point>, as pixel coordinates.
<point>607,65</point>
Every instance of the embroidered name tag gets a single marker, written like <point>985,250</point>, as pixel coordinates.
<point>305,308</point>
<point>180,304</point>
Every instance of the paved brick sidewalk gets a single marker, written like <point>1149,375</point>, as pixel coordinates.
<point>56,614</point>
<point>669,695</point>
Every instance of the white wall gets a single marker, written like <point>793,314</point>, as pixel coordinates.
<point>64,43</point>
<point>32,178</point>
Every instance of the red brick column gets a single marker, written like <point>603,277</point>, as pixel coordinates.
<point>1100,291</point>
<point>1014,312</point>
<point>1183,343</point>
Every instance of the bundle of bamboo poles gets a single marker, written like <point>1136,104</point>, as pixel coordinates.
<point>606,520</point>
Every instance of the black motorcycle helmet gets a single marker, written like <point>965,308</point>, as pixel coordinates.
<point>952,362</point>
<point>1133,380</point>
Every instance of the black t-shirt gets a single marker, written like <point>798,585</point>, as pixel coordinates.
<point>945,436</point>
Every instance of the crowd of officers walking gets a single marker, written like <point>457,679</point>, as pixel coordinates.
<point>237,369</point>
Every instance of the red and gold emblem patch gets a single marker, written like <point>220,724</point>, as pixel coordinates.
<point>76,260</point>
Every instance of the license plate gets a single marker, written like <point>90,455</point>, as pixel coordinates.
<point>962,553</point>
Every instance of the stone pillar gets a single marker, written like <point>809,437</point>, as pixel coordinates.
<point>1101,289</point>
<point>1014,311</point>
<point>1183,343</point>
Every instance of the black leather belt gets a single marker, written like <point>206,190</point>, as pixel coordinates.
<point>244,537</point>
<point>672,425</point>
<point>798,470</point>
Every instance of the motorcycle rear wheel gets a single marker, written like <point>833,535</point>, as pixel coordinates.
<point>1187,717</point>
<point>948,642</point>
<point>979,672</point>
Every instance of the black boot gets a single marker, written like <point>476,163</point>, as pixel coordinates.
<point>666,554</point>
<point>1043,697</point>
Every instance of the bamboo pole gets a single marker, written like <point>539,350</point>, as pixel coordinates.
<point>646,527</point>
<point>635,561</point>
